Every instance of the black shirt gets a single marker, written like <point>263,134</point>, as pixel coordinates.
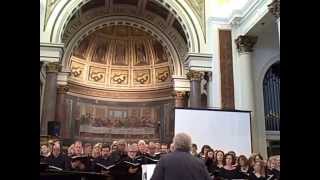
<point>230,174</point>
<point>273,174</point>
<point>59,161</point>
<point>252,176</point>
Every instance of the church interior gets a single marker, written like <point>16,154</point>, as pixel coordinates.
<point>114,70</point>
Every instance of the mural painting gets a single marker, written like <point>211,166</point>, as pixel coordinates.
<point>107,121</point>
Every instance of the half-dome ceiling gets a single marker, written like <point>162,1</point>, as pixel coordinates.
<point>152,13</point>
<point>121,58</point>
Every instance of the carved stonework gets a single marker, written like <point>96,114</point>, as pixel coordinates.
<point>194,75</point>
<point>245,43</point>
<point>77,22</point>
<point>119,77</point>
<point>274,8</point>
<point>77,70</point>
<point>97,74</point>
<point>53,67</point>
<point>180,98</point>
<point>121,57</point>
<point>141,77</point>
<point>162,74</point>
<point>179,94</point>
<point>62,89</point>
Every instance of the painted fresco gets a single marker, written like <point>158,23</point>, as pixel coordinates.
<point>97,120</point>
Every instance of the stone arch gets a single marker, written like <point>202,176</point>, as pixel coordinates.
<point>178,68</point>
<point>60,15</point>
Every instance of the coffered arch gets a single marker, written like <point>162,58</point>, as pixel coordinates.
<point>174,58</point>
<point>60,15</point>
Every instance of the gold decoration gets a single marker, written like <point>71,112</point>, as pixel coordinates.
<point>97,74</point>
<point>119,78</point>
<point>245,43</point>
<point>53,67</point>
<point>181,94</point>
<point>76,71</point>
<point>194,75</point>
<point>142,78</point>
<point>63,89</point>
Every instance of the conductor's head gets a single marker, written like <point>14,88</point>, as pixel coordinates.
<point>182,142</point>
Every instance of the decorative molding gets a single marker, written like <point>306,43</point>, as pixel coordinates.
<point>181,83</point>
<point>274,8</point>
<point>50,5</point>
<point>120,94</point>
<point>62,78</point>
<point>245,43</point>
<point>62,89</point>
<point>52,67</point>
<point>179,94</point>
<point>199,61</point>
<point>51,52</point>
<point>194,75</point>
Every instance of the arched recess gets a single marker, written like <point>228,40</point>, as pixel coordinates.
<point>260,101</point>
<point>178,68</point>
<point>65,9</point>
<point>271,93</point>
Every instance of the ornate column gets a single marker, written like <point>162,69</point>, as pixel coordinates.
<point>61,110</point>
<point>195,89</point>
<point>180,98</point>
<point>274,9</point>
<point>244,46</point>
<point>50,94</point>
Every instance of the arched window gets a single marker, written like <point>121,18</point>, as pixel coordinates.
<point>271,96</point>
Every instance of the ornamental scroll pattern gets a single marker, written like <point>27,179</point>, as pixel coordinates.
<point>77,70</point>
<point>121,56</point>
<point>141,77</point>
<point>97,74</point>
<point>119,77</point>
<point>162,74</point>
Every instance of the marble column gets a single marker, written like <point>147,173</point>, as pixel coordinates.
<point>180,99</point>
<point>209,90</point>
<point>195,89</point>
<point>274,9</point>
<point>61,110</point>
<point>244,46</point>
<point>50,94</point>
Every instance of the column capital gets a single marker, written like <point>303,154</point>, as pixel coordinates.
<point>274,8</point>
<point>62,89</point>
<point>52,67</point>
<point>245,43</point>
<point>194,75</point>
<point>180,94</point>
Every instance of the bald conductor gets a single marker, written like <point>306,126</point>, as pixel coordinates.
<point>180,164</point>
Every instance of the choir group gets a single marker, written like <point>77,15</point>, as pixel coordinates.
<point>123,161</point>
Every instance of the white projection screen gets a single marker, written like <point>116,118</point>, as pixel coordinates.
<point>222,130</point>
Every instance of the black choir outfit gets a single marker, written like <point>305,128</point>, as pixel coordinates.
<point>252,176</point>
<point>231,174</point>
<point>273,174</point>
<point>59,161</point>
